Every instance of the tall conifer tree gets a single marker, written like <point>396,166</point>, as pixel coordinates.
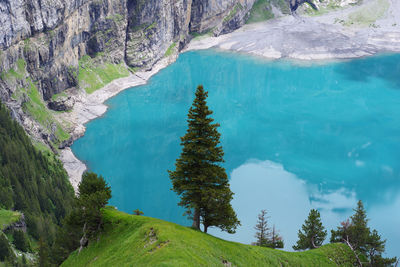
<point>199,179</point>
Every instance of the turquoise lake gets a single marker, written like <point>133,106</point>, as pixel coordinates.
<point>296,136</point>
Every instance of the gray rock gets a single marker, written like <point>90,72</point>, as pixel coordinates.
<point>219,16</point>
<point>295,4</point>
<point>66,143</point>
<point>46,38</point>
<point>62,103</point>
<point>19,225</point>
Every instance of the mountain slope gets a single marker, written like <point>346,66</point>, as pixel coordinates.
<point>31,181</point>
<point>130,240</point>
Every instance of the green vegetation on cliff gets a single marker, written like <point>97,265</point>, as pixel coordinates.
<point>38,110</point>
<point>93,76</point>
<point>262,10</point>
<point>131,240</point>
<point>32,102</point>
<point>170,50</point>
<point>233,12</point>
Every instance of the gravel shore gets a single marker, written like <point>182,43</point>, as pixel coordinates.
<point>348,33</point>
<point>90,106</point>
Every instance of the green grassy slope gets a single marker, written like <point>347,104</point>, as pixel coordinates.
<point>130,240</point>
<point>93,75</point>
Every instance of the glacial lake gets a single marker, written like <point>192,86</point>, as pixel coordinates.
<point>296,136</point>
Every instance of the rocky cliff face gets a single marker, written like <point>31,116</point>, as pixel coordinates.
<point>153,27</point>
<point>218,16</point>
<point>42,42</point>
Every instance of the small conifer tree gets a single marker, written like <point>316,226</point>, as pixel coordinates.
<point>138,212</point>
<point>44,258</point>
<point>21,241</point>
<point>262,230</point>
<point>5,249</point>
<point>265,236</point>
<point>94,194</point>
<point>276,241</point>
<point>312,234</point>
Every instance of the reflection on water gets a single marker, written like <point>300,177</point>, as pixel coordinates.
<point>288,200</point>
<point>359,70</point>
<point>332,136</point>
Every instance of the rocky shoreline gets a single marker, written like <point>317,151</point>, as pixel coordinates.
<point>311,38</point>
<point>293,37</point>
<point>90,106</point>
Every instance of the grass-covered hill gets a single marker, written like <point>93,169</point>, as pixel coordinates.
<point>130,240</point>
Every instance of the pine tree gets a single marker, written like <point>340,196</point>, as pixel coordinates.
<point>218,211</point>
<point>94,194</point>
<point>21,241</point>
<point>138,212</point>
<point>44,259</point>
<point>354,231</point>
<point>199,179</point>
<point>276,241</point>
<point>313,234</point>
<point>5,248</point>
<point>32,182</point>
<point>359,231</point>
<point>265,237</point>
<point>262,235</point>
<point>361,240</point>
<point>375,246</point>
<point>84,222</point>
<point>342,233</point>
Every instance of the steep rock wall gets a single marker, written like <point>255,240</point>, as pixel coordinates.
<point>41,47</point>
<point>218,16</point>
<point>51,51</point>
<point>153,26</point>
<point>42,42</point>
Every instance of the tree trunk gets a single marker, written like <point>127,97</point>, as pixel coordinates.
<point>205,228</point>
<point>98,228</point>
<point>352,249</point>
<point>312,242</point>
<point>273,237</point>
<point>196,219</point>
<point>83,242</point>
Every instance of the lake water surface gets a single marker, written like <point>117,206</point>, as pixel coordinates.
<point>296,136</point>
